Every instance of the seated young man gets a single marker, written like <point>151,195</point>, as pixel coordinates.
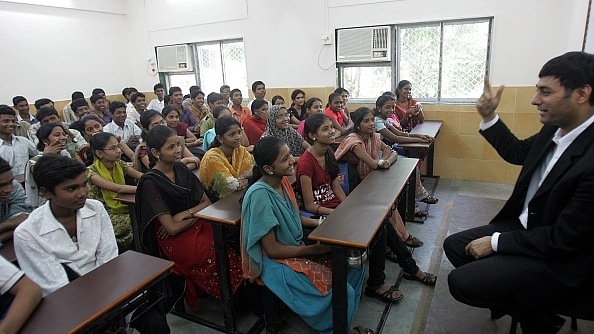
<point>139,105</point>
<point>14,206</point>
<point>50,115</point>
<point>69,233</point>
<point>100,108</point>
<point>185,115</point>
<point>198,109</point>
<point>80,108</point>
<point>67,112</point>
<point>19,296</point>
<point>22,107</point>
<point>158,104</point>
<point>122,127</point>
<point>208,122</point>
<point>14,149</point>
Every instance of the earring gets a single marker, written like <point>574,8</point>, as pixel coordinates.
<point>157,157</point>
<point>314,139</point>
<point>271,173</point>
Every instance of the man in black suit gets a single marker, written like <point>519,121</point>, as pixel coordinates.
<point>538,252</point>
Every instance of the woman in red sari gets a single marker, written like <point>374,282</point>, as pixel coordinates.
<point>167,197</point>
<point>408,110</point>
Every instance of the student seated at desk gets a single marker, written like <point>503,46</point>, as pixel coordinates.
<point>255,124</point>
<point>227,165</point>
<point>171,116</point>
<point>168,196</point>
<point>278,126</point>
<point>19,296</point>
<point>312,106</point>
<point>148,120</point>
<point>317,175</point>
<point>364,148</point>
<point>122,127</point>
<point>392,133</point>
<point>272,243</point>
<point>45,115</point>
<point>69,233</point>
<point>14,205</point>
<point>106,172</point>
<point>335,110</point>
<point>409,112</point>
<point>91,125</point>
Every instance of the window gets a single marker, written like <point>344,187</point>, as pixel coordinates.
<point>444,61</point>
<point>216,64</point>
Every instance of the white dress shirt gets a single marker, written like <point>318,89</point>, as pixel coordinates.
<point>124,132</point>
<point>42,244</point>
<point>540,174</point>
<point>9,275</point>
<point>17,153</point>
<point>157,105</point>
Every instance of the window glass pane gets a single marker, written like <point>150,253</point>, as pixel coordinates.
<point>211,68</point>
<point>235,68</point>
<point>419,59</point>
<point>367,82</point>
<point>464,59</point>
<point>183,81</point>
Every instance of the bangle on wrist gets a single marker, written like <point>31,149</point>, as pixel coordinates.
<point>380,162</point>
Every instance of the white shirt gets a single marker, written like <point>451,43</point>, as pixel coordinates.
<point>540,174</point>
<point>124,132</point>
<point>18,153</point>
<point>19,118</point>
<point>42,243</point>
<point>131,113</point>
<point>157,105</point>
<point>9,275</point>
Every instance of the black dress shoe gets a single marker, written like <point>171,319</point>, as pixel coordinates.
<point>541,324</point>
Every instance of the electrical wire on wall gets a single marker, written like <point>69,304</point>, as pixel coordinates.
<point>325,46</point>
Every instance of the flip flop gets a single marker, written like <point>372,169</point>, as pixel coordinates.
<point>362,330</point>
<point>430,200</point>
<point>421,214</point>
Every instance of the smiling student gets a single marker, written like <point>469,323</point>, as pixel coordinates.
<point>123,127</point>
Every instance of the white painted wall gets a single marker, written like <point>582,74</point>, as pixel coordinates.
<point>52,47</point>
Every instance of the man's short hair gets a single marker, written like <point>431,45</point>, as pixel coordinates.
<point>233,91</point>
<point>193,88</point>
<point>196,93</point>
<point>214,97</point>
<point>256,84</point>
<point>77,95</point>
<point>46,111</point>
<point>4,166</point>
<point>6,110</point>
<point>78,103</point>
<point>95,98</point>
<point>157,86</point>
<point>173,90</point>
<point>223,87</point>
<point>42,102</point>
<point>573,70</point>
<point>135,96</point>
<point>97,91</point>
<point>18,99</point>
<point>115,105</point>
<point>53,169</point>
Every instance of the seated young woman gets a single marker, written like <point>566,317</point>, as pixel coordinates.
<point>312,106</point>
<point>272,242</point>
<point>255,124</point>
<point>106,172</point>
<point>171,116</point>
<point>227,165</point>
<point>148,120</point>
<point>317,175</point>
<point>297,109</point>
<point>91,125</point>
<point>335,110</point>
<point>168,196</point>
<point>278,126</point>
<point>391,132</point>
<point>409,112</point>
<point>364,148</point>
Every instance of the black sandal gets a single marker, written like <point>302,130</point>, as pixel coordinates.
<point>362,330</point>
<point>421,214</point>
<point>413,242</point>
<point>391,256</point>
<point>430,200</point>
<point>429,279</point>
<point>387,296</point>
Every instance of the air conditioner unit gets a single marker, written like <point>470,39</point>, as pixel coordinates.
<point>174,58</point>
<point>370,44</point>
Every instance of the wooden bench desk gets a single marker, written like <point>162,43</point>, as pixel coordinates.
<point>92,300</point>
<point>354,223</point>
<point>7,251</point>
<point>430,128</point>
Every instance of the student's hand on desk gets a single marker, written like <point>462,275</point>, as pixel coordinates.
<point>487,103</point>
<point>479,248</point>
<point>386,151</point>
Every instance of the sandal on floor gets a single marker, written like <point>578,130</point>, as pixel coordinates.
<point>391,256</point>
<point>387,296</point>
<point>429,279</point>
<point>413,242</point>
<point>430,200</point>
<point>362,330</point>
<point>421,214</point>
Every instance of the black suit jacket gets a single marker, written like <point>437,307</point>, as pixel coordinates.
<point>561,213</point>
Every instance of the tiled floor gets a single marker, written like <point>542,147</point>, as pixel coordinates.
<point>411,314</point>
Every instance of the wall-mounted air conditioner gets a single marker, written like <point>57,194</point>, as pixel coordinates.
<point>174,58</point>
<point>370,44</point>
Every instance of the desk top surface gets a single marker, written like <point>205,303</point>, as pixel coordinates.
<point>225,211</point>
<point>356,220</point>
<point>430,128</point>
<point>77,304</point>
<point>7,251</point>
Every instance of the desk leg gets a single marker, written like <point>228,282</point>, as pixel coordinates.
<point>135,228</point>
<point>339,289</point>
<point>410,197</point>
<point>224,277</point>
<point>430,157</point>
